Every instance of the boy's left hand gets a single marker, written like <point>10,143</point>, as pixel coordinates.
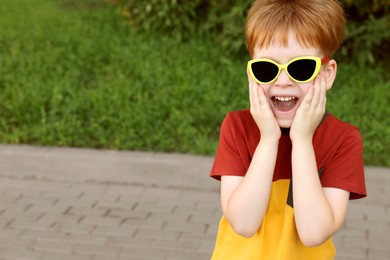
<point>310,112</point>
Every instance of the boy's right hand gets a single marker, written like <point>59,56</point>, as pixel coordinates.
<point>261,112</point>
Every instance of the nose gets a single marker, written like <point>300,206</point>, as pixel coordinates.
<point>283,79</point>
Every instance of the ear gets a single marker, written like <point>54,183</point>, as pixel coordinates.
<point>330,71</point>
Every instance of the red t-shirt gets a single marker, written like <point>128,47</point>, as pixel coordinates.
<point>338,148</point>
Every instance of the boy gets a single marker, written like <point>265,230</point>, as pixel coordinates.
<point>287,168</point>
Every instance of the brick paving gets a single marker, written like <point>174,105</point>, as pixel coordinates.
<point>63,203</point>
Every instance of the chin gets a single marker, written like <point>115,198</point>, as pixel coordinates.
<point>284,123</point>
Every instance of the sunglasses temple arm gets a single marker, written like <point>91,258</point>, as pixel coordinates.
<point>325,60</point>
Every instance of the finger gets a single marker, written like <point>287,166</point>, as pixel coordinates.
<point>318,102</point>
<point>253,94</point>
<point>308,98</point>
<point>323,92</point>
<point>317,93</point>
<point>262,98</point>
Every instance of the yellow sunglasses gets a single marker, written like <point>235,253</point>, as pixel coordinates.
<point>300,69</point>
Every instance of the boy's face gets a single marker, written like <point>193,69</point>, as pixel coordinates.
<point>284,94</point>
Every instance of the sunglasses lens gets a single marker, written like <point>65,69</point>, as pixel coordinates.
<point>264,71</point>
<point>302,70</point>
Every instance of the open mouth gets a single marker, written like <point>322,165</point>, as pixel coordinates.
<point>284,104</point>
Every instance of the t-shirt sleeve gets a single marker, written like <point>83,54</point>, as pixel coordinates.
<point>228,160</point>
<point>346,169</point>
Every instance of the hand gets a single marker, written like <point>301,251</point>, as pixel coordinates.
<point>262,113</point>
<point>310,112</point>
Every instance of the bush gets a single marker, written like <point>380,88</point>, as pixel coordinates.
<point>223,19</point>
<point>367,38</point>
<point>174,16</point>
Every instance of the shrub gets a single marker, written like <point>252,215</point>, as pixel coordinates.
<point>180,18</point>
<point>367,38</point>
<point>176,17</point>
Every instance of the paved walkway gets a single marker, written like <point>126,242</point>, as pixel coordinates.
<point>62,203</point>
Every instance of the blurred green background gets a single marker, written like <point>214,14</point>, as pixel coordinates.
<point>160,75</point>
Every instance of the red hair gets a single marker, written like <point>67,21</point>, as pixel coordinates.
<point>316,23</point>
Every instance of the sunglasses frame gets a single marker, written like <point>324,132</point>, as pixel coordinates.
<point>319,62</point>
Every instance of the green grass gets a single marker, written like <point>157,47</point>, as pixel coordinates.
<point>74,74</point>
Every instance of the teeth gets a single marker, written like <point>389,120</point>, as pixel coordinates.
<point>284,98</point>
